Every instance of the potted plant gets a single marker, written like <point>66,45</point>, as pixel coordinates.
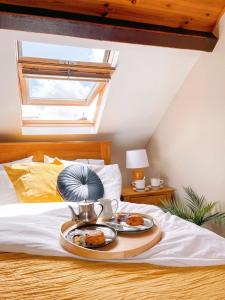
<point>195,209</point>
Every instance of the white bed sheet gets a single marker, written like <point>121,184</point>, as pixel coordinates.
<point>34,229</point>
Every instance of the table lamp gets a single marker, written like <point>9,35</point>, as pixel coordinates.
<point>137,160</point>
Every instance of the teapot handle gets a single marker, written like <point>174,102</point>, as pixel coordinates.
<point>101,209</point>
<point>74,216</point>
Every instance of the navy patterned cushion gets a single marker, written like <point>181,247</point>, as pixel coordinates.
<point>76,183</point>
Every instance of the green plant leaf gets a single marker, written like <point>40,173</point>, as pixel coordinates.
<point>176,208</point>
<point>200,214</point>
<point>217,217</point>
<point>195,209</point>
<point>194,201</point>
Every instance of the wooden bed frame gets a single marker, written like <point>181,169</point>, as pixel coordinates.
<point>64,150</point>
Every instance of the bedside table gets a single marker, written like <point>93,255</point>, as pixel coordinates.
<point>153,196</point>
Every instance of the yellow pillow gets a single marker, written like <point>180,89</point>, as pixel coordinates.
<point>35,182</point>
<point>57,161</point>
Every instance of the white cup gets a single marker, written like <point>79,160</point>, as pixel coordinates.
<point>140,184</point>
<point>156,182</point>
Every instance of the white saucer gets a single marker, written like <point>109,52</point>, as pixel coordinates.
<point>146,189</point>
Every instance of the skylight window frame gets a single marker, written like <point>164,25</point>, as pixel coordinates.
<point>58,123</point>
<point>55,69</point>
<point>106,59</point>
<point>67,123</point>
<point>27,100</point>
<point>78,70</point>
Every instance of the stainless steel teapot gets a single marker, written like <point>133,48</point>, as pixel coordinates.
<point>86,212</point>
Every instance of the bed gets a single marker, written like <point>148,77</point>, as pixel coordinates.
<point>188,263</point>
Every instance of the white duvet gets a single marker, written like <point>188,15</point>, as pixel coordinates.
<point>34,229</point>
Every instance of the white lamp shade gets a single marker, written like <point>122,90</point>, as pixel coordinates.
<point>136,159</point>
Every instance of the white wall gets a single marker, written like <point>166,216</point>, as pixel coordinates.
<point>146,80</point>
<point>188,146</point>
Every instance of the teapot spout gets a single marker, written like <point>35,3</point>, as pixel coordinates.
<point>74,215</point>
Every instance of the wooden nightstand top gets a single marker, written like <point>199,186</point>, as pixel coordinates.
<point>128,191</point>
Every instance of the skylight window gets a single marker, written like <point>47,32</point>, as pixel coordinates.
<point>60,89</point>
<point>62,85</point>
<point>50,51</point>
<point>60,115</point>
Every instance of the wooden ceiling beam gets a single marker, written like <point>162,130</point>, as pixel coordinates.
<point>200,15</point>
<point>39,20</point>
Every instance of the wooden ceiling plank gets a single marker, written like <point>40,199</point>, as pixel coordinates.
<point>68,24</point>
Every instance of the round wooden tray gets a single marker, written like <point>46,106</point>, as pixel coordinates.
<point>126,245</point>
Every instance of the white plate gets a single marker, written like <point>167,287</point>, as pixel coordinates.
<point>124,227</point>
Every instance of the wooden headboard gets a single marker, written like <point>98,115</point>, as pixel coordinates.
<point>63,150</point>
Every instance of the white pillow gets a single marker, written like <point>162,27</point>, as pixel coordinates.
<point>7,191</point>
<point>88,161</point>
<point>110,176</point>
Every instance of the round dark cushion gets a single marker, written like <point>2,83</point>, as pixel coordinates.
<point>76,183</point>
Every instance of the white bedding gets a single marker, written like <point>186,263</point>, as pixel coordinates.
<point>34,229</point>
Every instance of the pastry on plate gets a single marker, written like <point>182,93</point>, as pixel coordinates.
<point>135,220</point>
<point>78,240</point>
<point>94,238</point>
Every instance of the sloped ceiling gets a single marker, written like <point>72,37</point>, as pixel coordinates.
<point>146,80</point>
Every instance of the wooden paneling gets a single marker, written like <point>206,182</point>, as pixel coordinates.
<point>198,15</point>
<point>189,23</point>
<point>64,150</point>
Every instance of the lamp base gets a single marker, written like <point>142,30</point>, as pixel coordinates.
<point>137,174</point>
